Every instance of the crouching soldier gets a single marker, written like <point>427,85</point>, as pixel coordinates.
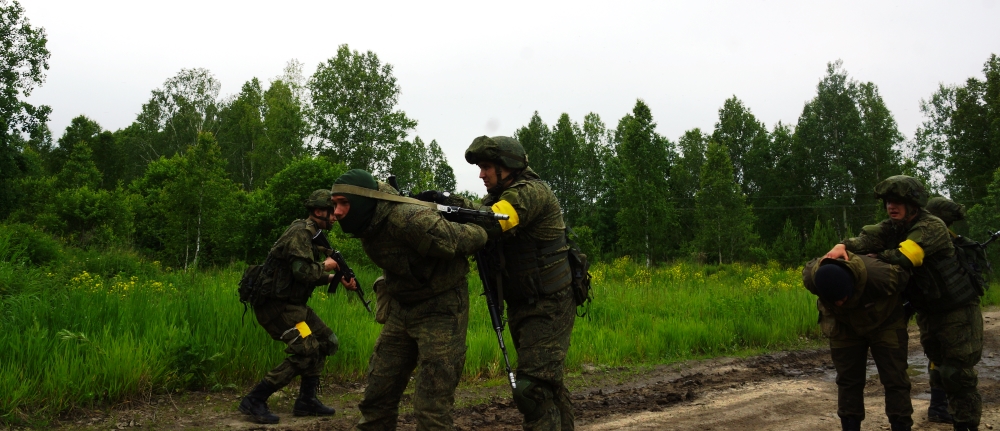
<point>298,269</point>
<point>860,306</point>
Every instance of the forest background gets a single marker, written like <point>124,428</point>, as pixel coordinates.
<point>110,239</point>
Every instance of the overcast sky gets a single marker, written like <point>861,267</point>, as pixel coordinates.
<point>472,68</point>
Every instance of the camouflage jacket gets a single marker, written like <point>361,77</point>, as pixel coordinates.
<point>299,266</point>
<point>421,254</point>
<point>533,239</point>
<point>923,245</point>
<point>876,302</point>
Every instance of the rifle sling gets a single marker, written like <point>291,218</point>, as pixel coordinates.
<point>339,189</point>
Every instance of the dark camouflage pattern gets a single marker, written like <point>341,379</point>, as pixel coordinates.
<point>941,321</point>
<point>424,259</point>
<point>502,150</point>
<point>428,336</point>
<point>306,355</point>
<point>540,325</point>
<point>300,265</point>
<point>871,319</point>
<point>420,253</point>
<point>939,284</point>
<point>875,303</point>
<point>953,341</point>
<point>319,199</point>
<point>299,270</point>
<point>946,209</point>
<point>904,188</point>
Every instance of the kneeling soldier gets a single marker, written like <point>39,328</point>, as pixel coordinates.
<point>298,269</point>
<point>860,305</point>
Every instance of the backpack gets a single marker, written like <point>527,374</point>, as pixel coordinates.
<point>580,268</point>
<point>257,284</point>
<point>972,256</point>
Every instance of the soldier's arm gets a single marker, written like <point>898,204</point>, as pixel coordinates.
<point>885,278</point>
<point>923,240</point>
<point>434,236</point>
<point>869,241</point>
<point>304,268</point>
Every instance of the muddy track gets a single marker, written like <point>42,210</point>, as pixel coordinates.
<point>782,391</point>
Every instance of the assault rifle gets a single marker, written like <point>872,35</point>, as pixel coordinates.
<point>993,236</point>
<point>487,262</point>
<point>343,272</point>
<point>451,213</point>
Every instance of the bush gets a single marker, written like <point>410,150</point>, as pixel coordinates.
<point>20,243</point>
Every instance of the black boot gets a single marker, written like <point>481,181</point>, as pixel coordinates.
<point>307,404</point>
<point>938,410</point>
<point>960,426</point>
<point>850,423</point>
<point>898,426</point>
<point>255,403</point>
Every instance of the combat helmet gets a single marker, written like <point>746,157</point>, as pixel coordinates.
<point>319,199</point>
<point>946,209</point>
<point>904,188</point>
<point>502,150</point>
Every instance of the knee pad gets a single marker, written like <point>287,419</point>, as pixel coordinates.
<point>531,398</point>
<point>330,346</point>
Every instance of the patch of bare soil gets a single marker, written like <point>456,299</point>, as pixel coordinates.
<point>785,391</point>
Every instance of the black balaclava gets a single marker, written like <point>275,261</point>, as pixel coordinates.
<point>834,282</point>
<point>362,208</point>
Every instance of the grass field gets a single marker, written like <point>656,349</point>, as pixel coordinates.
<point>107,327</point>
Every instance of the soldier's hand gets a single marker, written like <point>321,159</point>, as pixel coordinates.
<point>330,265</point>
<point>353,285</point>
<point>838,251</point>
<point>427,195</point>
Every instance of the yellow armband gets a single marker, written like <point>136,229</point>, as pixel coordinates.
<point>303,328</point>
<point>912,251</point>
<point>504,207</point>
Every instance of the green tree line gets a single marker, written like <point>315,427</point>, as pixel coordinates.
<point>202,179</point>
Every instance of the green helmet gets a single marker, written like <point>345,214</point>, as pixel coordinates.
<point>946,209</point>
<point>502,150</point>
<point>903,188</point>
<point>319,199</point>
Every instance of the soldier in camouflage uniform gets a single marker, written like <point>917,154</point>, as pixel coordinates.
<point>425,265</point>
<point>949,212</point>
<point>947,303</point>
<point>299,268</point>
<point>861,309</point>
<point>536,277</point>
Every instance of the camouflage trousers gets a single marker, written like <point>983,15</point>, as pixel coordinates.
<point>306,355</point>
<point>888,346</point>
<point>541,334</point>
<point>953,341</point>
<point>428,336</point>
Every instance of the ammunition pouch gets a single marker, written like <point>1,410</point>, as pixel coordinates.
<point>535,269</point>
<point>943,284</point>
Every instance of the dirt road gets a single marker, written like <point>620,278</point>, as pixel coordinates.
<point>786,391</point>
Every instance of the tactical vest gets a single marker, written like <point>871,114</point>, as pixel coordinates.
<point>535,268</point>
<point>941,284</point>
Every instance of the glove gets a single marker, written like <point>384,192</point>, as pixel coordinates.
<point>433,196</point>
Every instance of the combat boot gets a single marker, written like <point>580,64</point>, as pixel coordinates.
<point>255,403</point>
<point>307,404</point>
<point>850,423</point>
<point>897,426</point>
<point>961,426</point>
<point>938,410</point>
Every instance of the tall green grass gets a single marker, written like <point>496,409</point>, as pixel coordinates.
<point>106,327</point>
